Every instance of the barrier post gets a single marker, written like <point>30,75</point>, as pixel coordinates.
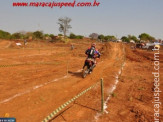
<point>102,95</point>
<point>67,67</point>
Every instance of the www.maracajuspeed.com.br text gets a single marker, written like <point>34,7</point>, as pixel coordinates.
<point>56,4</point>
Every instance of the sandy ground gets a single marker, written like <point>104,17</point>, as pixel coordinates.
<point>32,91</point>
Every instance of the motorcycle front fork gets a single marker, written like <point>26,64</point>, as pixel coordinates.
<point>92,67</point>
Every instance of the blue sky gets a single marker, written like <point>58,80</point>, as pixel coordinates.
<point>112,17</point>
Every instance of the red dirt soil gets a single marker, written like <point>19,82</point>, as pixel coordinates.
<point>35,90</point>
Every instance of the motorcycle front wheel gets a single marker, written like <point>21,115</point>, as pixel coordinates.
<point>85,72</point>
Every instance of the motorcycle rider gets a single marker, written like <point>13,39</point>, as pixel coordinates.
<point>92,53</point>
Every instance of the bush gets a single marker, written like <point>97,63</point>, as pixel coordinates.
<point>101,37</point>
<point>73,36</point>
<point>38,34</point>
<point>125,39</point>
<point>79,37</point>
<point>60,35</point>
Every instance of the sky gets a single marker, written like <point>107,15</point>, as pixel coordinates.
<point>112,17</point>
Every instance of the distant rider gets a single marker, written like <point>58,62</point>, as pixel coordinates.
<point>92,53</point>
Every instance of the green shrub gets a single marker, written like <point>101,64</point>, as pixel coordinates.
<point>38,34</point>
<point>73,36</point>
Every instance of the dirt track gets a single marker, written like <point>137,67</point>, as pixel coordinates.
<point>30,92</point>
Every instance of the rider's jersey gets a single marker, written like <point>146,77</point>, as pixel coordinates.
<point>92,53</point>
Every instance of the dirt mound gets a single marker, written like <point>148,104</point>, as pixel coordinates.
<point>135,55</point>
<point>149,55</point>
<point>105,50</point>
<point>4,44</point>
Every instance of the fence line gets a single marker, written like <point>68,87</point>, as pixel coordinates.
<point>56,111</point>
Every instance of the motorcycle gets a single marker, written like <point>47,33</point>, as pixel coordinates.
<point>88,67</point>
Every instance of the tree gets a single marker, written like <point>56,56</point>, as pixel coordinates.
<point>146,37</point>
<point>125,39</point>
<point>4,35</point>
<point>93,36</point>
<point>110,38</point>
<point>101,37</point>
<point>38,34</point>
<point>29,35</point>
<point>64,25</point>
<point>132,37</point>
<point>17,36</point>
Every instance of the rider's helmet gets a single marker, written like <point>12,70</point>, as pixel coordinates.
<point>93,45</point>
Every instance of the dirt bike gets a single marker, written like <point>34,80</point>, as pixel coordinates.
<point>88,68</point>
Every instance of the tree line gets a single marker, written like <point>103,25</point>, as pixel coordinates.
<point>142,37</point>
<point>25,35</point>
<point>34,35</point>
<point>40,35</point>
<point>64,26</point>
